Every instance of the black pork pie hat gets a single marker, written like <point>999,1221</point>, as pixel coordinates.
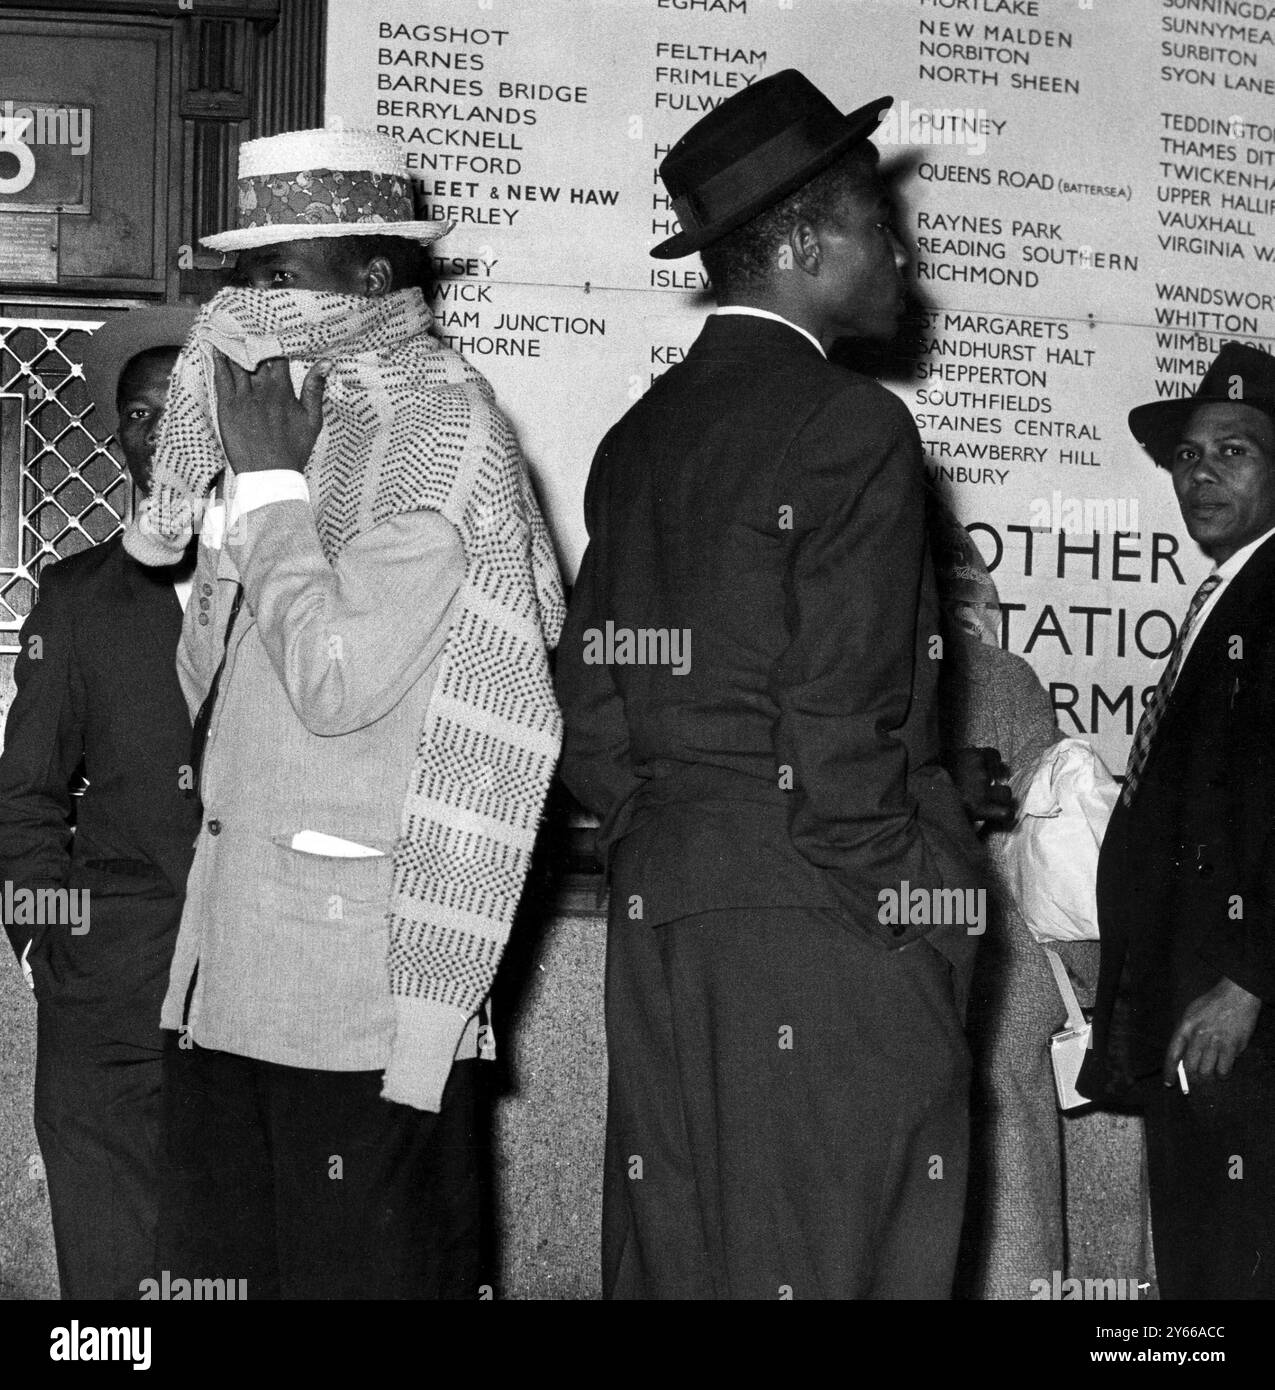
<point>118,341</point>
<point>1240,375</point>
<point>751,152</point>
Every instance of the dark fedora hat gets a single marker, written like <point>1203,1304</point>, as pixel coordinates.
<point>751,152</point>
<point>118,341</point>
<point>1240,375</point>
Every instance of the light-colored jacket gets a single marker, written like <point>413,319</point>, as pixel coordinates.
<point>329,670</point>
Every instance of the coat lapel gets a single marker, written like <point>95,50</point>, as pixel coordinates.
<point>157,607</point>
<point>1249,590</point>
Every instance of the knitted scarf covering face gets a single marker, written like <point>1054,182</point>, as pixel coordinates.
<point>409,424</point>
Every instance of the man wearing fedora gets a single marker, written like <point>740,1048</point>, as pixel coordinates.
<point>97,687</point>
<point>787,1110</point>
<point>375,731</point>
<point>1186,878</point>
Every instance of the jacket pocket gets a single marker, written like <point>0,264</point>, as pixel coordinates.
<point>330,888</point>
<point>324,845</point>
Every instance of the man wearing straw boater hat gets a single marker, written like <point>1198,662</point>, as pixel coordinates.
<point>97,687</point>
<point>1184,1025</point>
<point>375,731</point>
<point>788,1076</point>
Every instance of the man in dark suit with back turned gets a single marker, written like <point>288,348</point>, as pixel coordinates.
<point>787,1110</point>
<point>1186,877</point>
<point>97,686</point>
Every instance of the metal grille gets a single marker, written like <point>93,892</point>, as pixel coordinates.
<point>69,492</point>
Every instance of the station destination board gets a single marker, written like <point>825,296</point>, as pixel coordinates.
<point>1087,191</point>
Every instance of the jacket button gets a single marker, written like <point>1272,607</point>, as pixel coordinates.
<point>214,827</point>
<point>203,619</point>
<point>205,588</point>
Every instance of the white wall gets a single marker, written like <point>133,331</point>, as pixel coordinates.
<point>1055,213</point>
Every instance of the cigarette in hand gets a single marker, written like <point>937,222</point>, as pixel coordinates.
<point>1186,1090</point>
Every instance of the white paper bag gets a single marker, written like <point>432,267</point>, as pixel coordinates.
<point>1068,1046</point>
<point>1050,857</point>
<point>1067,1049</point>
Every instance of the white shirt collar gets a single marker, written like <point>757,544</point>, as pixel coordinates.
<point>1228,569</point>
<point>766,314</point>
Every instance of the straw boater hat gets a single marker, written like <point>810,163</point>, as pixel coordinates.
<point>1240,375</point>
<point>322,183</point>
<point>751,152</point>
<point>118,341</point>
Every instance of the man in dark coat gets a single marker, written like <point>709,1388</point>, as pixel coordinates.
<point>1186,877</point>
<point>97,688</point>
<point>747,678</point>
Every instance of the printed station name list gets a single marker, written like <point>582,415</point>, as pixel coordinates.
<point>471,127</point>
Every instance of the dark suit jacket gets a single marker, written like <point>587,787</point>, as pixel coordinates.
<point>97,681</point>
<point>1186,876</point>
<point>768,504</point>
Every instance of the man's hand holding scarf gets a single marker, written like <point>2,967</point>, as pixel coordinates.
<point>263,423</point>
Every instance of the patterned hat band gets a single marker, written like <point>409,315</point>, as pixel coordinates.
<point>324,196</point>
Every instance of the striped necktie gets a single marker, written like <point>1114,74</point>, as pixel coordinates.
<point>1155,707</point>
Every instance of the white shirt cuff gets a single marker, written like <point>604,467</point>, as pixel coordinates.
<point>212,524</point>
<point>249,491</point>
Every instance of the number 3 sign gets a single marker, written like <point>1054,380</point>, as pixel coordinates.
<point>12,129</point>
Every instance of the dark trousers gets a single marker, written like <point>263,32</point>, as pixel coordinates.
<point>787,1115</point>
<point>1211,1166</point>
<point>308,1185</point>
<point>97,1107</point>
